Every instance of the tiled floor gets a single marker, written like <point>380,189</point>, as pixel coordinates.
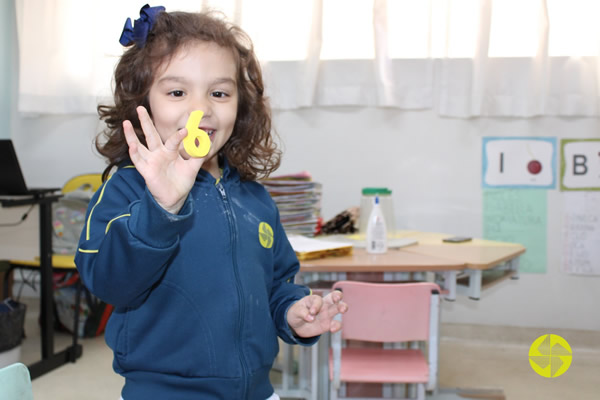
<point>498,362</point>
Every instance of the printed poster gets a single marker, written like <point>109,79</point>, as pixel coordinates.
<point>518,216</point>
<point>581,233</point>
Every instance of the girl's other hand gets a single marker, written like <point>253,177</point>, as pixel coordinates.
<point>313,315</point>
<point>169,176</point>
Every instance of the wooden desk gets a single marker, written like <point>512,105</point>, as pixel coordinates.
<point>450,262</point>
<point>395,260</point>
<point>478,255</point>
<point>395,265</point>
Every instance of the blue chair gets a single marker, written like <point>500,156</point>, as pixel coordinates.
<point>15,383</point>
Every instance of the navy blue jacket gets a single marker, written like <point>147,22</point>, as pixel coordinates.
<point>200,297</point>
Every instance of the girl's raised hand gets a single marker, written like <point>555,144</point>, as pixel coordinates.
<point>313,315</point>
<point>169,176</point>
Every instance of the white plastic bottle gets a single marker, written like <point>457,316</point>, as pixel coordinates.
<point>376,230</point>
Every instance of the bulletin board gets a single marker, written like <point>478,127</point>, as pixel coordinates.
<point>518,172</point>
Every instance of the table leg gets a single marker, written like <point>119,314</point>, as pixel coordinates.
<point>287,368</point>
<point>513,265</point>
<point>450,284</point>
<point>49,360</point>
<point>475,276</point>
<point>323,353</point>
<point>314,372</point>
<point>46,296</point>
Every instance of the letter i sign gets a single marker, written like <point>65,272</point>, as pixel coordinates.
<point>510,162</point>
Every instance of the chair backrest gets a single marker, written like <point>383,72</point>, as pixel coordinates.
<point>93,180</point>
<point>15,383</point>
<point>386,312</point>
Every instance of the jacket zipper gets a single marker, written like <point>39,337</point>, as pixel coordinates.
<point>233,232</point>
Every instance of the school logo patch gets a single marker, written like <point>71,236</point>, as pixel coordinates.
<point>265,235</point>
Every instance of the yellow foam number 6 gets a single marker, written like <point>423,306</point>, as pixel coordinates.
<point>197,142</point>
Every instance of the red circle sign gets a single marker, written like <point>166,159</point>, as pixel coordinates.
<point>534,167</point>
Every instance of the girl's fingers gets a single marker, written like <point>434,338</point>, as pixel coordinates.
<point>308,317</point>
<point>174,141</point>
<point>315,304</point>
<point>336,296</point>
<point>152,138</point>
<point>132,141</point>
<point>130,136</point>
<point>339,295</point>
<point>335,326</point>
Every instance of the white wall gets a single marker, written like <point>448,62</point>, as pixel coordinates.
<point>433,166</point>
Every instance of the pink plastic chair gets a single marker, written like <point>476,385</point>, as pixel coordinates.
<point>387,313</point>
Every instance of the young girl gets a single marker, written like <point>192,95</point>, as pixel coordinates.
<point>191,251</point>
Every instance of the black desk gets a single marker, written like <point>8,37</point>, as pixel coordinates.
<point>50,360</point>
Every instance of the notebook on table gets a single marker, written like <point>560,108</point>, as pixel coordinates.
<point>309,248</point>
<point>12,182</point>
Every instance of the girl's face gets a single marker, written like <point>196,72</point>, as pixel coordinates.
<point>200,76</point>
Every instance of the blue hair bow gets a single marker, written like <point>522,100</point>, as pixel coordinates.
<point>139,31</point>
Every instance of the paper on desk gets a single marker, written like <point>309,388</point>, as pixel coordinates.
<point>308,248</point>
<point>303,244</point>
<point>359,241</point>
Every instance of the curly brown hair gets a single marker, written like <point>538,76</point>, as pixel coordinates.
<point>251,148</point>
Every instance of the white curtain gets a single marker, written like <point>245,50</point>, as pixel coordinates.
<point>519,86</point>
<point>421,54</point>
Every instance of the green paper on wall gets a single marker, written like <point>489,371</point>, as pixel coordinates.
<point>518,216</point>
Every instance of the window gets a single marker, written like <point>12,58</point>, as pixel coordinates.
<point>325,52</point>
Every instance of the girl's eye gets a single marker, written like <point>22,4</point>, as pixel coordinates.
<point>219,94</point>
<point>176,93</point>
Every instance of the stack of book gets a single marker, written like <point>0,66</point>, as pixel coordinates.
<point>298,198</point>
